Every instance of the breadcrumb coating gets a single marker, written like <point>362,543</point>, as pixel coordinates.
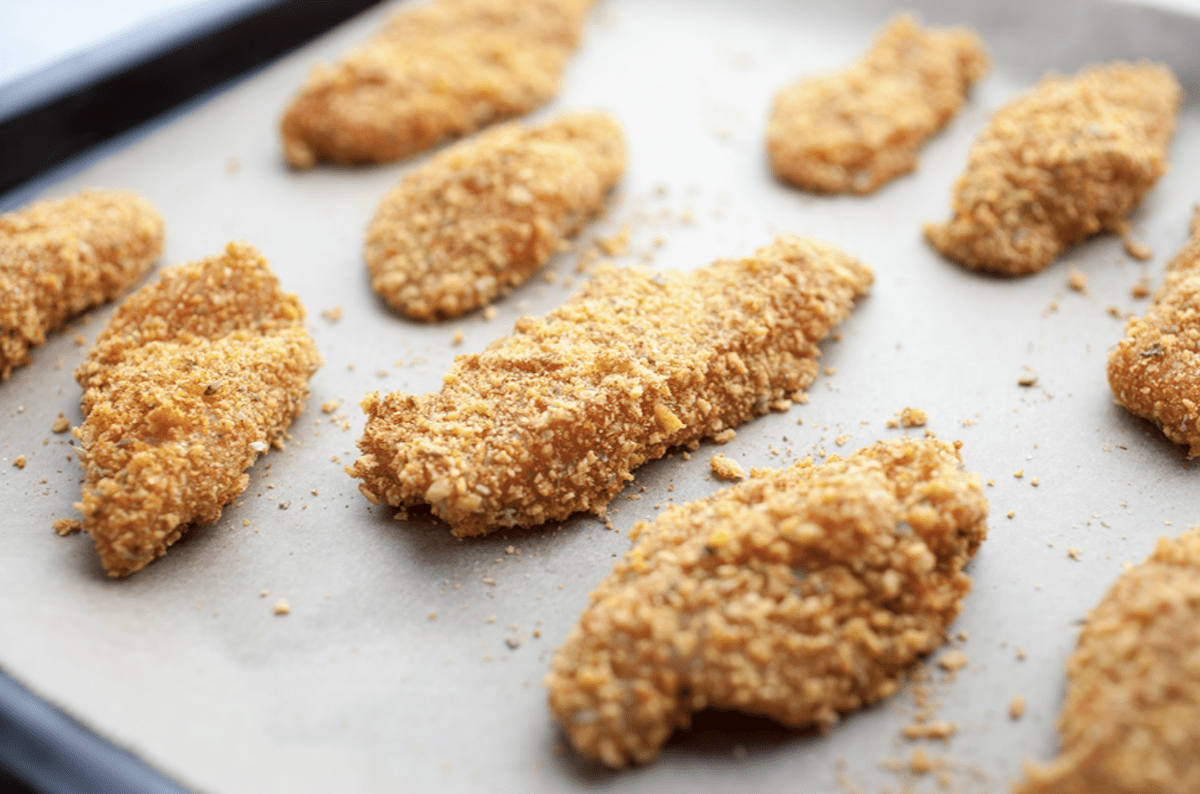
<point>62,256</point>
<point>854,130</point>
<point>482,216</point>
<point>798,595</point>
<point>1131,720</point>
<point>1155,370</point>
<point>433,72</point>
<point>1067,160</point>
<point>191,380</point>
<point>551,420</point>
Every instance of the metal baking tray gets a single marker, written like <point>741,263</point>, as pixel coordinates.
<point>185,664</point>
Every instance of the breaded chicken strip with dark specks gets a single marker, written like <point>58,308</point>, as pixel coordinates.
<point>798,595</point>
<point>436,71</point>
<point>854,130</point>
<point>481,217</point>
<point>1155,370</point>
<point>60,257</point>
<point>195,376</point>
<point>551,420</point>
<point>1131,721</point>
<point>1067,160</point>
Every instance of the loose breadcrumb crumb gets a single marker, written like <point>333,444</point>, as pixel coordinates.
<point>799,594</point>
<point>60,257</point>
<point>1141,289</point>
<point>726,435</point>
<point>332,315</point>
<point>1139,251</point>
<point>1067,160</point>
<point>67,526</point>
<point>440,70</point>
<point>1076,280</point>
<point>479,218</point>
<point>1154,371</point>
<point>1131,720</point>
<point>553,419</point>
<point>930,730</point>
<point>725,468</point>
<point>61,424</point>
<point>282,607</point>
<point>913,417</point>
<point>195,376</point>
<point>1016,709</point>
<point>854,130</point>
<point>19,462</point>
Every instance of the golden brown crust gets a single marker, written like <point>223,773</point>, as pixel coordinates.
<point>1155,370</point>
<point>482,216</point>
<point>440,70</point>
<point>854,130</point>
<point>194,377</point>
<point>1067,160</point>
<point>798,595</point>
<point>62,256</point>
<point>551,420</point>
<point>1131,721</point>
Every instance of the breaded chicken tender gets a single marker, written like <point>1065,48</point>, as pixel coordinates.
<point>433,72</point>
<point>1065,161</point>
<point>854,130</point>
<point>62,256</point>
<point>551,420</point>
<point>1131,721</point>
<point>194,377</point>
<point>481,217</point>
<point>1155,370</point>
<point>798,595</point>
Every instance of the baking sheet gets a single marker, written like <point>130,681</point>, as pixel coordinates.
<point>358,689</point>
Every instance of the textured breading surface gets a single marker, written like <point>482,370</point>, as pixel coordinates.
<point>854,130</point>
<point>1131,721</point>
<point>1155,370</point>
<point>551,420</point>
<point>1067,160</point>
<point>194,377</point>
<point>798,595</point>
<point>62,256</point>
<point>482,216</point>
<point>443,69</point>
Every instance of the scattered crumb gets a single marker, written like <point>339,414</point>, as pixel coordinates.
<point>490,313</point>
<point>282,607</point>
<point>458,338</point>
<point>329,406</point>
<point>841,440</point>
<point>930,730</point>
<point>616,245</point>
<point>952,661</point>
<point>1012,513</point>
<point>1074,554</point>
<point>1027,380</point>
<point>332,315</point>
<point>512,642</point>
<point>1139,251</point>
<point>920,763</point>
<point>1034,482</point>
<point>61,424</point>
<point>433,616</point>
<point>67,526</point>
<point>1016,709</point>
<point>728,434</point>
<point>1076,280</point>
<point>726,468</point>
<point>1019,473</point>
<point>19,462</point>
<point>913,417</point>
<point>1141,289</point>
<point>1020,653</point>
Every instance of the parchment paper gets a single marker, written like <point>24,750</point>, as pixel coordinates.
<point>359,689</point>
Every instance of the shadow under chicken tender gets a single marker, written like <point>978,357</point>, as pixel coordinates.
<point>60,257</point>
<point>440,70</point>
<point>1155,370</point>
<point>1067,160</point>
<point>1131,720</point>
<point>797,595</point>
<point>551,420</point>
<point>194,377</point>
<point>482,216</point>
<point>854,130</point>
